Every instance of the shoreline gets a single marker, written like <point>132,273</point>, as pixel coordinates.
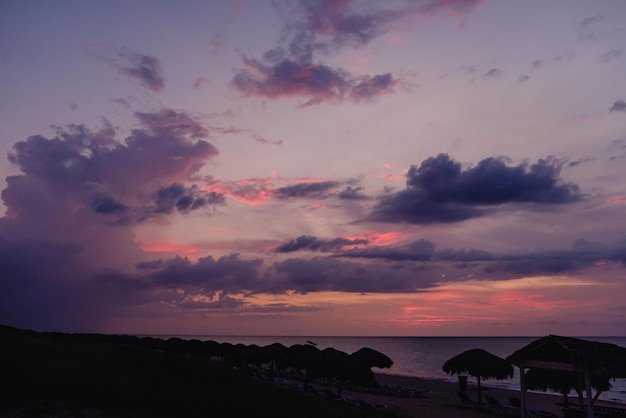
<point>445,402</point>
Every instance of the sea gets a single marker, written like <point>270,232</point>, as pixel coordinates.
<point>424,356</point>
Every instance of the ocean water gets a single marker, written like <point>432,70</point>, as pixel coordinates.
<point>424,356</point>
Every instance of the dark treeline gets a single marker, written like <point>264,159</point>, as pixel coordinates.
<point>45,373</point>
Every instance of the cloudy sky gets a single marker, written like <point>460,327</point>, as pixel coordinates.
<point>326,167</point>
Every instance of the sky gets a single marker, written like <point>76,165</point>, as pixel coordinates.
<point>314,167</point>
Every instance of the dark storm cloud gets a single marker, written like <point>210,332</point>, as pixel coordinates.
<point>324,274</point>
<point>491,265</point>
<point>124,179</point>
<point>618,106</point>
<point>178,279</point>
<point>150,265</point>
<point>108,205</point>
<point>545,262</point>
<point>71,189</point>
<point>33,281</point>
<point>440,191</point>
<point>411,268</point>
<point>228,273</point>
<point>144,68</point>
<point>422,250</point>
<point>316,28</point>
<point>306,242</point>
<point>301,190</point>
<point>618,252</point>
<point>181,278</point>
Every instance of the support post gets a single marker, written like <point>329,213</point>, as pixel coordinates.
<point>522,388</point>
<point>588,395</point>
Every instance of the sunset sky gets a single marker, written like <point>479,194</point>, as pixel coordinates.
<point>314,167</point>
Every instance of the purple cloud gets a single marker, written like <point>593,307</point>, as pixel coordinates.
<point>68,207</point>
<point>318,28</point>
<point>184,199</point>
<point>580,256</point>
<point>339,23</point>
<point>352,193</point>
<point>317,83</point>
<point>440,191</point>
<point>307,190</point>
<point>133,180</point>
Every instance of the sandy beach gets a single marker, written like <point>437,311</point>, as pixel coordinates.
<point>444,401</point>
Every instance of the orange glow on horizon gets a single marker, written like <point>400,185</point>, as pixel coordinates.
<point>257,194</point>
<point>171,248</point>
<point>491,301</point>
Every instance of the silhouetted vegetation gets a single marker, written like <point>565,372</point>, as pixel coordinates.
<point>140,377</point>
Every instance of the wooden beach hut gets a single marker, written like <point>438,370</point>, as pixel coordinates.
<point>583,357</point>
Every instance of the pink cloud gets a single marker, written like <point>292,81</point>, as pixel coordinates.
<point>253,191</point>
<point>618,199</point>
<point>381,238</point>
<point>395,39</point>
<point>200,82</point>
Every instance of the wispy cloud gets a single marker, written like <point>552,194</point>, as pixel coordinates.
<point>144,68</point>
<point>618,106</point>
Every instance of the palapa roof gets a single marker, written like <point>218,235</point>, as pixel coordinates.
<point>479,363</point>
<point>593,356</point>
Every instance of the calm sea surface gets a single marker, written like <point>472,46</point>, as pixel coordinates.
<point>424,356</point>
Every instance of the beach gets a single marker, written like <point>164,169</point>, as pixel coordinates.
<point>444,400</point>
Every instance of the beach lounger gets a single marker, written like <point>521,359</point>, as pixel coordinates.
<point>500,409</point>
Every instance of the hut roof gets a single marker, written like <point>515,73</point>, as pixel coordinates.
<point>479,363</point>
<point>597,357</point>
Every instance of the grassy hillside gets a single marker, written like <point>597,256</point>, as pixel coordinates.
<point>47,374</point>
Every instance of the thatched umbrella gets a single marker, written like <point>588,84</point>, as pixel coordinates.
<point>276,354</point>
<point>303,357</point>
<point>481,364</point>
<point>372,358</point>
<point>333,363</point>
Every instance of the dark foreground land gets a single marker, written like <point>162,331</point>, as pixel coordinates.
<point>80,375</point>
